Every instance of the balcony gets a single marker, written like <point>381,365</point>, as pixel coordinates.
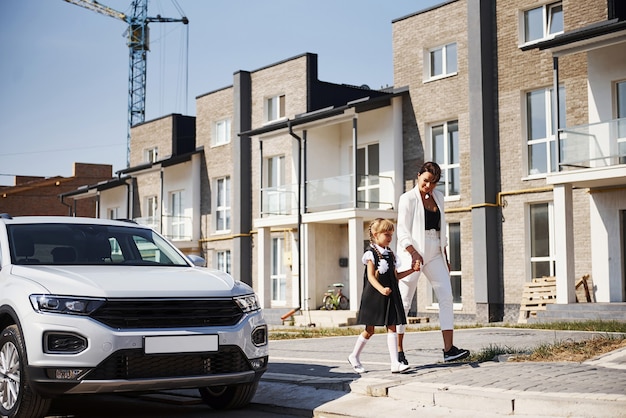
<point>601,144</point>
<point>175,228</point>
<point>592,156</point>
<point>331,193</point>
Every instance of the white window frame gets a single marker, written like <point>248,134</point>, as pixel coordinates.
<point>177,212</point>
<point>278,275</point>
<point>548,11</point>
<point>278,199</point>
<point>447,69</point>
<point>551,257</point>
<point>549,141</point>
<point>368,187</point>
<point>221,132</point>
<point>275,108</point>
<point>152,206</point>
<point>620,113</point>
<point>445,161</point>
<point>223,261</point>
<point>222,202</point>
<point>151,155</point>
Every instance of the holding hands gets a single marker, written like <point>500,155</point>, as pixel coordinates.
<point>416,259</point>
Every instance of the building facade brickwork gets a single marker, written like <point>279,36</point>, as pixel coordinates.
<point>40,196</point>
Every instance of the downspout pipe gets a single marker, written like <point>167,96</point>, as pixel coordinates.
<point>69,207</point>
<point>299,246</point>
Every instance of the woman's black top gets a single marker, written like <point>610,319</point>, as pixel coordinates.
<point>432,219</point>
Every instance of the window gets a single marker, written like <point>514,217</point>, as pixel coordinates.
<point>275,108</point>
<point>221,132</point>
<point>223,261</point>
<point>367,171</point>
<point>541,130</point>
<point>454,256</point>
<point>278,276</point>
<point>177,229</point>
<point>277,196</point>
<point>442,61</point>
<point>542,22</point>
<point>542,262</point>
<point>222,212</point>
<point>445,152</point>
<point>620,94</point>
<point>151,212</point>
<point>151,155</point>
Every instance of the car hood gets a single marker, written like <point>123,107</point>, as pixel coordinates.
<point>132,281</point>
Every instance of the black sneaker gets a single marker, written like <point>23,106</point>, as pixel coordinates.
<point>402,359</point>
<point>455,354</point>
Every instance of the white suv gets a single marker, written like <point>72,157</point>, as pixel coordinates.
<point>95,306</point>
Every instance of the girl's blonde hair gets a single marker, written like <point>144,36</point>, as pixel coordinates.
<point>380,225</point>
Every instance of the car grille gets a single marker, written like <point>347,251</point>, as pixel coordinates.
<point>134,364</point>
<point>168,313</point>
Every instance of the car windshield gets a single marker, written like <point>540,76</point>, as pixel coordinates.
<point>83,244</point>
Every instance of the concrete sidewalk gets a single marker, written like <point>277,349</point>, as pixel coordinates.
<point>596,388</point>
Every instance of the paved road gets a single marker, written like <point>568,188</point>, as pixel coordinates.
<point>311,377</point>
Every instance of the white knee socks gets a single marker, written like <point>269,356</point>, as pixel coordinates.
<point>358,347</point>
<point>392,344</point>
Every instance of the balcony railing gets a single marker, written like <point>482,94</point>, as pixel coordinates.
<point>330,193</point>
<point>281,200</point>
<point>176,228</point>
<point>599,144</point>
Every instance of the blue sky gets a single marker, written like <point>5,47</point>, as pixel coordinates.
<point>64,69</point>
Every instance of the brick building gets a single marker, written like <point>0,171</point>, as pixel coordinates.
<point>40,195</point>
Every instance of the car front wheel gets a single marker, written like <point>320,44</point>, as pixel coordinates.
<point>228,397</point>
<point>17,399</point>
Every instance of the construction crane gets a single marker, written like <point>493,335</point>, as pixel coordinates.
<point>138,44</point>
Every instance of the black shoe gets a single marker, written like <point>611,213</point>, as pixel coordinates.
<point>455,354</point>
<point>402,359</point>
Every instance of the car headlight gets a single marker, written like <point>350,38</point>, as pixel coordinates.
<point>248,303</point>
<point>65,304</point>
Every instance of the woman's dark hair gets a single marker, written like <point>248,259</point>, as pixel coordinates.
<point>432,168</point>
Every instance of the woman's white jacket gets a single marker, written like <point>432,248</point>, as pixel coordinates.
<point>411,225</point>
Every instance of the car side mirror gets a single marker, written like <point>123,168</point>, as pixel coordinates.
<point>197,260</point>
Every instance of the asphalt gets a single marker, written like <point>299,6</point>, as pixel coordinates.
<point>311,377</point>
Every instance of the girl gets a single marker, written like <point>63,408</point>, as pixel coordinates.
<point>381,303</point>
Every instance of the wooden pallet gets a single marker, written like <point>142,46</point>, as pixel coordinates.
<point>537,294</point>
<point>584,290</point>
<point>418,319</point>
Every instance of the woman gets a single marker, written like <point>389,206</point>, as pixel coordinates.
<point>422,245</point>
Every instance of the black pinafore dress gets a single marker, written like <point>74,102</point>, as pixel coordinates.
<point>377,309</point>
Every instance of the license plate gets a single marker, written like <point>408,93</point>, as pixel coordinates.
<point>180,344</point>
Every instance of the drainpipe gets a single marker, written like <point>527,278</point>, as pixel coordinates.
<point>355,181</point>
<point>557,110</point>
<point>299,246</point>
<point>69,207</point>
<point>161,202</point>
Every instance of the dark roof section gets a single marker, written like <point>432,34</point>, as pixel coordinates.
<point>595,30</point>
<point>362,104</point>
<point>173,160</point>
<point>122,177</point>
<point>103,185</point>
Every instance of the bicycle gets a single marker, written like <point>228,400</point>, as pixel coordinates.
<point>335,299</point>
